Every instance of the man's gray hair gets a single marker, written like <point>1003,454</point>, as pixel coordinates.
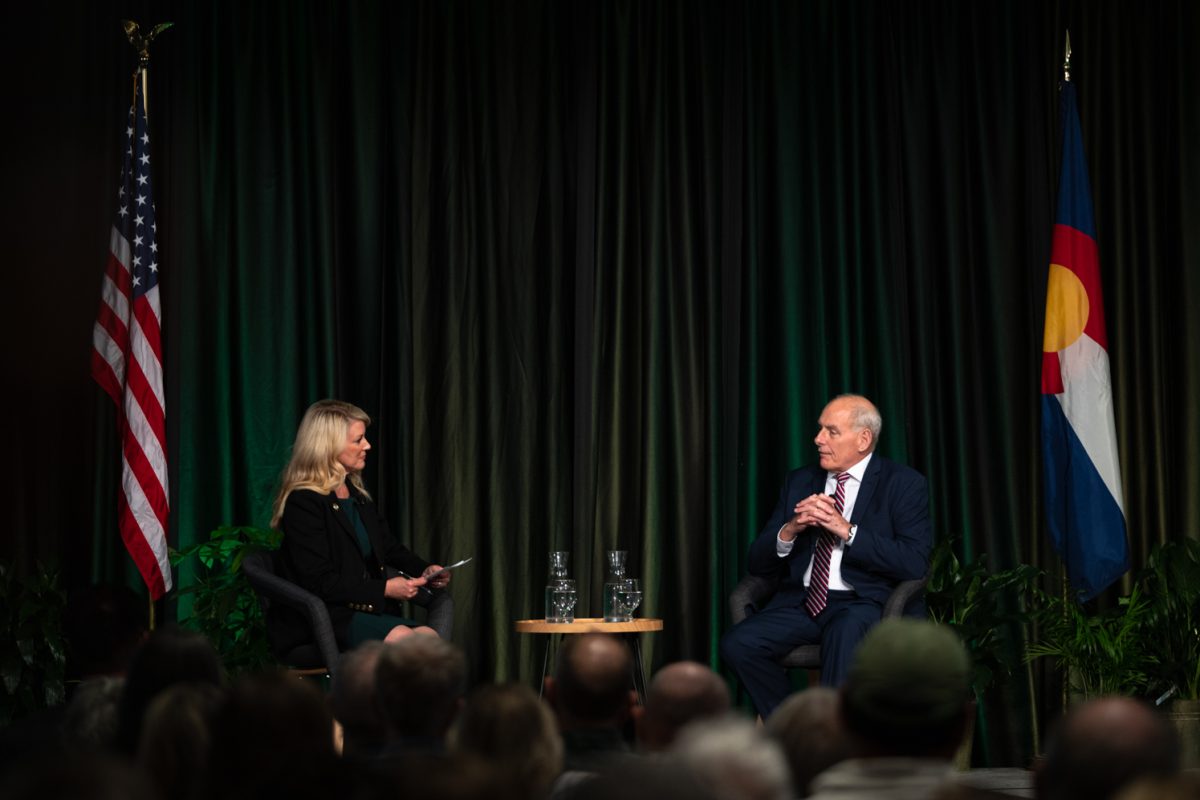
<point>734,758</point>
<point>864,414</point>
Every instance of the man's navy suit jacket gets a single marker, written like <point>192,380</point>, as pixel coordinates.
<point>891,544</point>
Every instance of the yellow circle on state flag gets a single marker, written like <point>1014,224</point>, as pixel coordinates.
<point>1066,309</point>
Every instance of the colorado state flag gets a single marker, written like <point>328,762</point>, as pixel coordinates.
<point>1084,505</point>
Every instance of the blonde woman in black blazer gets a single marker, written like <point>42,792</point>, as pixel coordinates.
<point>335,543</point>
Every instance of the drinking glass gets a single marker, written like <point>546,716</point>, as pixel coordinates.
<point>558,575</point>
<point>564,600</point>
<point>629,596</point>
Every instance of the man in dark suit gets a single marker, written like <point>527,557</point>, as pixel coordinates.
<point>845,532</point>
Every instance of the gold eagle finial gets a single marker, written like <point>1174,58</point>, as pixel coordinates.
<point>142,43</point>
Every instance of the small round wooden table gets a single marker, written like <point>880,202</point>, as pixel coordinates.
<point>631,629</point>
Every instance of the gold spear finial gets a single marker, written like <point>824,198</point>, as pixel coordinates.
<point>142,43</point>
<point>1067,59</point>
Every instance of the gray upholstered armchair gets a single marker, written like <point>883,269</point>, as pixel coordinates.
<point>753,592</point>
<point>321,655</point>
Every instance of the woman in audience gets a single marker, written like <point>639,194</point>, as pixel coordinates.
<point>335,543</point>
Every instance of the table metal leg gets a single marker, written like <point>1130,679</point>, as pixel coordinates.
<point>639,675</point>
<point>545,666</point>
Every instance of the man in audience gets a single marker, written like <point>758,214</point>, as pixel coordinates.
<point>678,694</point>
<point>905,705</point>
<point>734,757</point>
<point>592,696</point>
<point>355,703</point>
<point>1104,745</point>
<point>809,727</point>
<point>420,682</point>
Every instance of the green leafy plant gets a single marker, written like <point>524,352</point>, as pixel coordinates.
<point>32,652</point>
<point>1101,653</point>
<point>225,607</point>
<point>1171,625</point>
<point>984,606</point>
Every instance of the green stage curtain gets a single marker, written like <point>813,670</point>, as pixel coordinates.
<point>594,268</point>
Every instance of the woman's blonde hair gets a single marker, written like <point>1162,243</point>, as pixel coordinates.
<point>320,439</point>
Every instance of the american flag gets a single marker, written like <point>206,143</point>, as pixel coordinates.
<point>127,358</point>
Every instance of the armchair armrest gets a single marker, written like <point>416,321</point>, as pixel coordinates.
<point>259,569</point>
<point>901,595</point>
<point>439,609</point>
<point>750,594</point>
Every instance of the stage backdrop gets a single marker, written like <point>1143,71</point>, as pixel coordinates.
<point>594,268</point>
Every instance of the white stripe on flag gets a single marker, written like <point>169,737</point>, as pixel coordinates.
<point>146,438</point>
<point>1088,405</point>
<point>147,521</point>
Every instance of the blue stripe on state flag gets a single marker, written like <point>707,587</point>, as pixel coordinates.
<point>1078,503</point>
<point>1074,189</point>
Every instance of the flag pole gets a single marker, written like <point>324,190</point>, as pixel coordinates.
<point>141,44</point>
<point>1065,586</point>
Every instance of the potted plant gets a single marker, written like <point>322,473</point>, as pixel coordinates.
<point>1171,629</point>
<point>1105,653</point>
<point>985,607</point>
<point>225,608</point>
<point>32,652</point>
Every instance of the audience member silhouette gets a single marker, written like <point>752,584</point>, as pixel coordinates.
<point>420,681</point>
<point>808,726</point>
<point>272,735</point>
<point>510,729</point>
<point>90,722</point>
<point>905,705</point>
<point>177,738</point>
<point>735,758</point>
<point>1103,745</point>
<point>355,703</point>
<point>171,655</point>
<point>678,694</point>
<point>592,696</point>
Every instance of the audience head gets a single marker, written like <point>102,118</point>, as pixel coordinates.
<point>809,727</point>
<point>169,656</point>
<point>354,701</point>
<point>176,737</point>
<point>91,717</point>
<point>270,731</point>
<point>591,684</point>
<point>1103,745</point>
<point>678,694</point>
<point>104,625</point>
<point>906,693</point>
<point>420,681</point>
<point>510,728</point>
<point>735,758</point>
